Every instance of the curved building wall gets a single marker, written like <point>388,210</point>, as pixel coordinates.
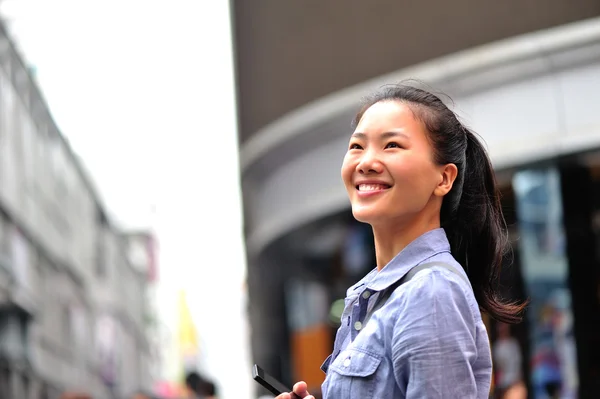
<point>531,97</point>
<point>290,53</point>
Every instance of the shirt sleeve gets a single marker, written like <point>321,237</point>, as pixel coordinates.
<point>434,339</point>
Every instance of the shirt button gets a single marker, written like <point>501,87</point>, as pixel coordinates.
<point>347,362</point>
<point>357,326</point>
<point>366,294</point>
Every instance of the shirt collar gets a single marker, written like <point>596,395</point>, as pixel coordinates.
<point>354,291</point>
<point>424,247</point>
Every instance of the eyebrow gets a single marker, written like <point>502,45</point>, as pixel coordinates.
<point>385,135</point>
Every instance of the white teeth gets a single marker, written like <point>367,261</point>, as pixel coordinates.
<point>371,187</point>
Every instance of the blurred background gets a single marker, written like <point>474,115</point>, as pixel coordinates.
<point>171,210</point>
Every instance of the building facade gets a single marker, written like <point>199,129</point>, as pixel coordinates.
<point>525,76</point>
<point>72,308</point>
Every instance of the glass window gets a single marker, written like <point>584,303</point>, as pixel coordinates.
<point>544,265</point>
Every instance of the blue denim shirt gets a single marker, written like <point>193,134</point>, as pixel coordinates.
<point>427,341</point>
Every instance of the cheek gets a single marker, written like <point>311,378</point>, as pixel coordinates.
<point>406,170</point>
<point>347,171</point>
<point>415,173</point>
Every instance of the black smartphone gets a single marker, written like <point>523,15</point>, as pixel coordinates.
<point>270,383</point>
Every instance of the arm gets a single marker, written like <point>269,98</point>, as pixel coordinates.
<point>433,343</point>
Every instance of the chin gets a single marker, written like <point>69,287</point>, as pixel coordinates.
<point>366,215</point>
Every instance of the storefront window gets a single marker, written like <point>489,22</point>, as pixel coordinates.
<point>544,265</point>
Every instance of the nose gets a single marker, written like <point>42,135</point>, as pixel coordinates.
<point>369,163</point>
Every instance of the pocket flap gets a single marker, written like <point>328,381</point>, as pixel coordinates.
<point>355,363</point>
<point>325,365</point>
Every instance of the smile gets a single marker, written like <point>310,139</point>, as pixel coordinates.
<point>372,187</point>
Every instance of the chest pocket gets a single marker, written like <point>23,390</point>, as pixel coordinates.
<point>352,375</point>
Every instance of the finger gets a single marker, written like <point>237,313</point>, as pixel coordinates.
<point>284,395</point>
<point>300,389</point>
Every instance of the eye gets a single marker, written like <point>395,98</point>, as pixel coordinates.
<point>393,145</point>
<point>354,146</point>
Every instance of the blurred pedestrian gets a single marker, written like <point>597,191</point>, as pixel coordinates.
<point>507,361</point>
<point>200,387</point>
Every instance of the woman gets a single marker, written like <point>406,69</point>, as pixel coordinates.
<point>426,186</point>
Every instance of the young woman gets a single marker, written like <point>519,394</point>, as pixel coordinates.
<point>412,328</point>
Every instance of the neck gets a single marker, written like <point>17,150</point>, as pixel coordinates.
<point>391,238</point>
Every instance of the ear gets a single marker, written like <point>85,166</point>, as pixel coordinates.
<point>448,175</point>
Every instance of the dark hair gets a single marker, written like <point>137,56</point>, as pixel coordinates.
<point>209,388</point>
<point>200,385</point>
<point>471,212</point>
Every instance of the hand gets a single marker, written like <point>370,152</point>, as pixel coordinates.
<point>299,391</point>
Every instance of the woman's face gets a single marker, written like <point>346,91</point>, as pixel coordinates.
<point>389,171</point>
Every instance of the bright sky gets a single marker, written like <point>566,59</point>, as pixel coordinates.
<point>144,92</point>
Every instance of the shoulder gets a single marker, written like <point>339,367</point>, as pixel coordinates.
<point>437,291</point>
<point>436,307</point>
<point>443,277</point>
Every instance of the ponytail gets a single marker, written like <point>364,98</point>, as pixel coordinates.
<point>477,230</point>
